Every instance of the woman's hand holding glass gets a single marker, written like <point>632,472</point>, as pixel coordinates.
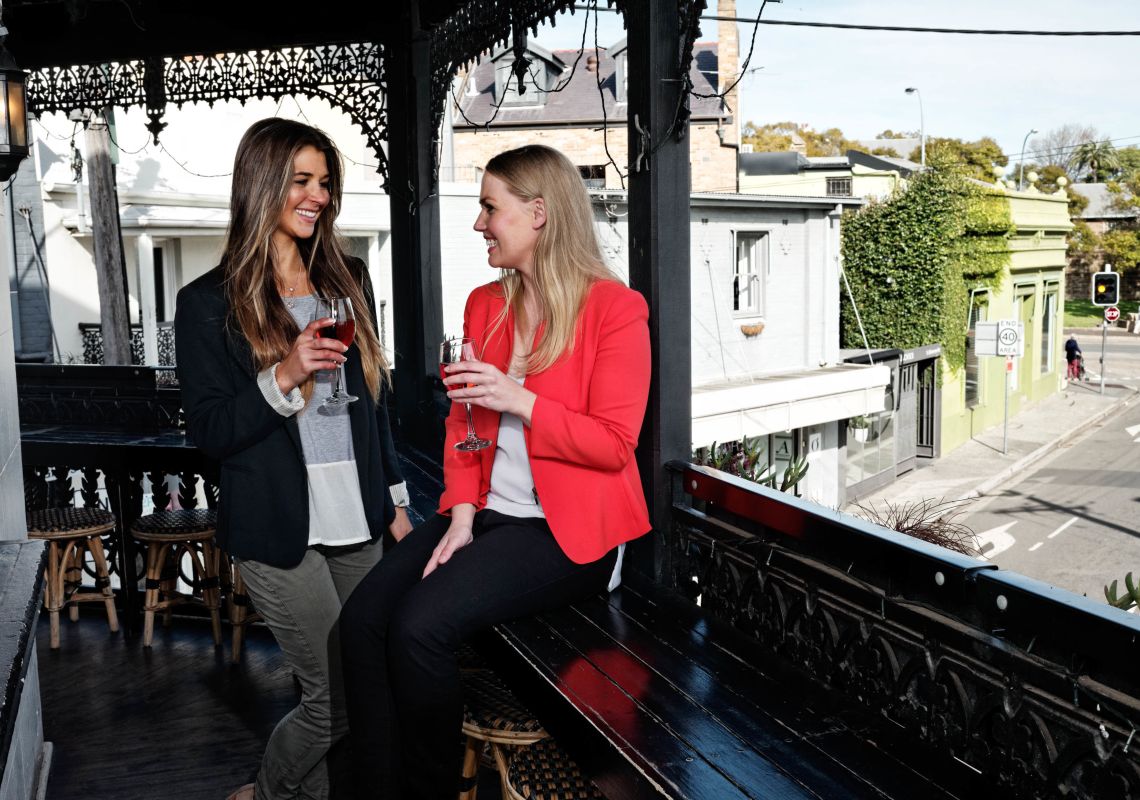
<point>483,384</point>
<point>309,353</point>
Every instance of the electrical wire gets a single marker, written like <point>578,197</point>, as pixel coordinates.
<point>920,29</point>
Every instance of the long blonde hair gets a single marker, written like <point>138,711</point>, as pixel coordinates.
<point>263,172</point>
<point>567,258</point>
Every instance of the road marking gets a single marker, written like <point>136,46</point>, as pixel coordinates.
<point>1034,547</point>
<point>996,540</point>
<point>1067,524</point>
<point>1133,430</point>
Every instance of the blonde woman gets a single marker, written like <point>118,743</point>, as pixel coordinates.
<point>535,521</point>
<point>306,489</point>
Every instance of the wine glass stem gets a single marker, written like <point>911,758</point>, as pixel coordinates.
<point>337,380</point>
<point>470,422</point>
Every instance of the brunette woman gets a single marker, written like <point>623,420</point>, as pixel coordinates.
<point>535,521</point>
<point>307,489</point>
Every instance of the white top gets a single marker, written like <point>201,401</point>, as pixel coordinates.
<point>512,489</point>
<point>336,508</point>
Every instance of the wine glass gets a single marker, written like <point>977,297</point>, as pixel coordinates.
<point>344,329</point>
<point>452,351</point>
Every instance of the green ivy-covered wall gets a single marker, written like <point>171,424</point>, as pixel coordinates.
<point>919,261</point>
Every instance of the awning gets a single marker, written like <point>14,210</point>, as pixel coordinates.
<point>786,401</point>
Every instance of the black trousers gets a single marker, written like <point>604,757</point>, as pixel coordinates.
<point>399,634</point>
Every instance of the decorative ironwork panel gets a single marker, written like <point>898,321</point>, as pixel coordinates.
<point>1035,725</point>
<point>349,76</point>
<point>91,335</point>
<point>477,27</point>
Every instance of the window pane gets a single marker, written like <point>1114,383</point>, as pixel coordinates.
<point>973,374</point>
<point>1047,343</point>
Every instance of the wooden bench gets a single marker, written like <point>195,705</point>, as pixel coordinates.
<point>653,698</point>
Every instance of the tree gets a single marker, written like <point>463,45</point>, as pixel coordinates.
<point>1095,160</point>
<point>777,136</point>
<point>1057,145</point>
<point>1121,248</point>
<point>977,159</point>
<point>889,134</point>
<point>1129,158</point>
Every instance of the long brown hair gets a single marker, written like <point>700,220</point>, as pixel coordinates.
<point>567,258</point>
<point>263,171</point>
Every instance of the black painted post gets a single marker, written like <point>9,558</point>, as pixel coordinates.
<point>417,298</point>
<point>659,254</point>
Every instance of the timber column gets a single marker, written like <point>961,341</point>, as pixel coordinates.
<point>417,297</point>
<point>659,184</point>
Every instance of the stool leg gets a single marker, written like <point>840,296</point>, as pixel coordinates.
<point>155,556</point>
<point>171,569</point>
<point>470,769</point>
<point>238,613</point>
<point>502,763</point>
<point>208,579</point>
<point>73,574</point>
<point>53,591</point>
<point>103,578</point>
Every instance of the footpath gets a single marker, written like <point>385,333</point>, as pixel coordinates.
<point>978,467</point>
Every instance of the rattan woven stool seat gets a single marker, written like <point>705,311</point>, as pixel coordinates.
<point>543,771</point>
<point>490,706</point>
<point>494,720</point>
<point>185,523</point>
<point>64,523</point>
<point>172,537</point>
<point>72,534</point>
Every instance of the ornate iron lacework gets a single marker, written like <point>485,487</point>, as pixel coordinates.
<point>349,76</point>
<point>479,26</point>
<point>1036,726</point>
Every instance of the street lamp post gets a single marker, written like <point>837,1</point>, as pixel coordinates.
<point>1021,165</point>
<point>921,123</point>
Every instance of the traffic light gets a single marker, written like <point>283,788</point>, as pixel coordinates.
<point>1106,288</point>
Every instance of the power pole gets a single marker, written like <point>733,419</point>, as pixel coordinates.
<point>114,314</point>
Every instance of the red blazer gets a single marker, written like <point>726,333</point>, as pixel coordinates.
<point>584,426</point>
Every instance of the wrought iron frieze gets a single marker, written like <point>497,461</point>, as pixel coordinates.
<point>349,76</point>
<point>1008,712</point>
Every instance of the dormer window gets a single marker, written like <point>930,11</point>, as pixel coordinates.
<point>620,55</point>
<point>541,76</point>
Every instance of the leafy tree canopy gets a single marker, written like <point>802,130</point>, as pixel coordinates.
<point>977,159</point>
<point>889,134</point>
<point>778,136</point>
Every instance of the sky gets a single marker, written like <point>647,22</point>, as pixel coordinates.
<point>971,86</point>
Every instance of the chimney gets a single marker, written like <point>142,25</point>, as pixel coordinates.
<point>728,66</point>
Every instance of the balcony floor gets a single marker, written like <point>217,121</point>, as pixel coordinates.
<point>177,720</point>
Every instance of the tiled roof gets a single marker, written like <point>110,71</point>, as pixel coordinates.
<point>580,100</point>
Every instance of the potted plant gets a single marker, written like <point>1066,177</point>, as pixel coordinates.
<point>860,426</point>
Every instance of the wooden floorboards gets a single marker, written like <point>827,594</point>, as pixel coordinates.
<point>175,721</point>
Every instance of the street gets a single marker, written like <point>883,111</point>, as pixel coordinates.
<point>1074,520</point>
<point>1121,355</point>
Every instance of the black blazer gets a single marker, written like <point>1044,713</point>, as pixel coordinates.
<point>263,508</point>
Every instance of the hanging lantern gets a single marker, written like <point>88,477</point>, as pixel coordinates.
<point>13,112</point>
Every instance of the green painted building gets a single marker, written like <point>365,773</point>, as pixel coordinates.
<point>1032,290</point>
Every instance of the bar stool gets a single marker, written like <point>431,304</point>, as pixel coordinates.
<point>169,536</point>
<point>543,771</point>
<point>70,533</point>
<point>492,718</point>
<point>239,606</point>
